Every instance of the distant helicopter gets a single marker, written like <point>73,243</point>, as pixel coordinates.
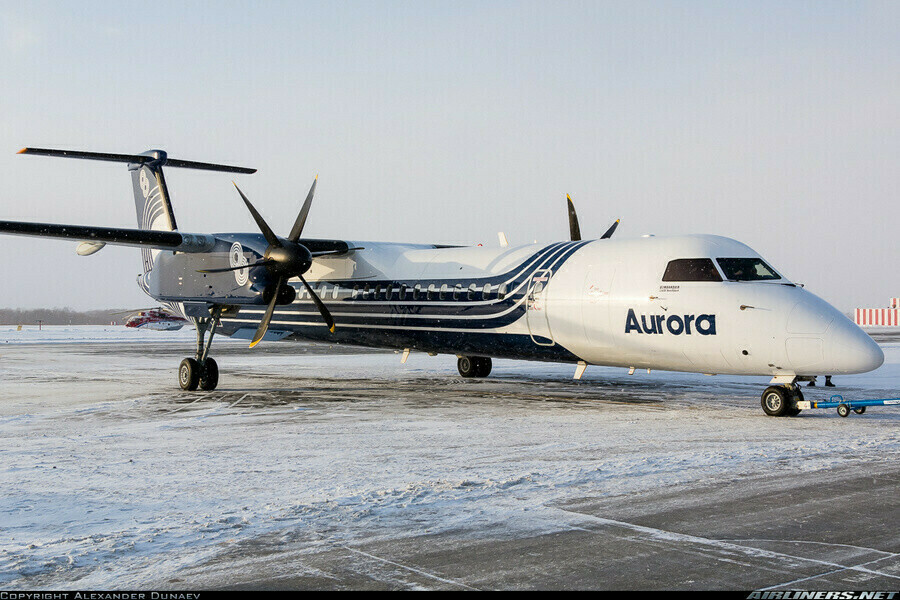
<point>157,319</point>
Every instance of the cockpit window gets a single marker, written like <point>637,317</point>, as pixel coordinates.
<point>746,269</point>
<point>691,269</point>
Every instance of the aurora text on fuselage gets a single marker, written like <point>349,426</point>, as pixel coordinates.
<point>673,324</point>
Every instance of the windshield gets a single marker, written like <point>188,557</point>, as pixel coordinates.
<point>691,269</point>
<point>746,269</point>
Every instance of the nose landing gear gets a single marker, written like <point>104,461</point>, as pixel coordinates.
<point>781,400</point>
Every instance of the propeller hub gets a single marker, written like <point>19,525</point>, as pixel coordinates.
<point>290,259</point>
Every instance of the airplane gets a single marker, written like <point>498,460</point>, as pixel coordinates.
<point>694,303</point>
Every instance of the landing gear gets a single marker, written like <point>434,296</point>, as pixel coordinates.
<point>781,400</point>
<point>189,374</point>
<point>202,371</point>
<point>474,366</point>
<point>793,411</point>
<point>209,375</point>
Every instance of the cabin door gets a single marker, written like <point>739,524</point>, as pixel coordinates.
<point>536,308</point>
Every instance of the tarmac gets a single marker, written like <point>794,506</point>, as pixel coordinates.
<point>321,468</point>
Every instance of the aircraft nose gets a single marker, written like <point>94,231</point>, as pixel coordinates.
<point>849,349</point>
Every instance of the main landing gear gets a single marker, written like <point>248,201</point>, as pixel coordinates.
<point>474,366</point>
<point>781,400</point>
<point>201,371</point>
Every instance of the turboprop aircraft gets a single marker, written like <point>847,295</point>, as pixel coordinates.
<point>696,303</point>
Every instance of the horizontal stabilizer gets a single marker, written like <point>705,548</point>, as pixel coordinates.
<point>141,238</point>
<point>156,156</point>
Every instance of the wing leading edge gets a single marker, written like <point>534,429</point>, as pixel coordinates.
<point>140,238</point>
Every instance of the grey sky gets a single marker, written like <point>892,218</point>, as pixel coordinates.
<point>776,123</point>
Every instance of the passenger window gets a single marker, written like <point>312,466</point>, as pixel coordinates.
<point>335,292</point>
<point>691,269</point>
<point>457,291</point>
<point>486,292</point>
<point>501,293</point>
<point>472,292</point>
<point>445,291</point>
<point>417,291</point>
<point>402,292</point>
<point>355,292</point>
<point>431,292</point>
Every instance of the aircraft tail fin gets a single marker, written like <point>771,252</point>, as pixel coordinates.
<point>151,197</point>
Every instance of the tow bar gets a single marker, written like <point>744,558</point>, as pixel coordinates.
<point>845,406</point>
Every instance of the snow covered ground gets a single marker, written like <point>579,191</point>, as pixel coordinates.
<point>111,477</point>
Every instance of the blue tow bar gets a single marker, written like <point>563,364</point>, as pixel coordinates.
<point>845,406</point>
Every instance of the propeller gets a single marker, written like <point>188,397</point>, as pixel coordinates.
<point>575,230</point>
<point>610,231</point>
<point>285,258</point>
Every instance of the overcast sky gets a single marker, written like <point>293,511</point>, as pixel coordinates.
<point>775,123</point>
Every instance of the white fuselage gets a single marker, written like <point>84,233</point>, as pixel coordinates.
<point>602,302</point>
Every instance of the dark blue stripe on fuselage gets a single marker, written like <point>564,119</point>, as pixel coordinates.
<point>427,325</point>
<point>459,314</point>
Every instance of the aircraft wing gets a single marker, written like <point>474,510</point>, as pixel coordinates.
<point>163,240</point>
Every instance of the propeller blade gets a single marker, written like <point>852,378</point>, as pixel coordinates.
<point>137,310</point>
<point>264,324</point>
<point>263,226</point>
<point>320,305</point>
<point>237,268</point>
<point>297,229</point>
<point>574,229</point>
<point>610,231</point>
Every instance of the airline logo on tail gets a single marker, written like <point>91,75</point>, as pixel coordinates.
<point>145,184</point>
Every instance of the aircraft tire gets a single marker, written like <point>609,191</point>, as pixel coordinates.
<point>483,366</point>
<point>793,411</point>
<point>466,366</point>
<point>776,401</point>
<point>209,378</point>
<point>189,374</point>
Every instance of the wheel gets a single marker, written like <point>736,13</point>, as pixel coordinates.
<point>209,377</point>
<point>860,410</point>
<point>843,410</point>
<point>466,366</point>
<point>482,366</point>
<point>189,374</point>
<point>793,411</point>
<point>776,401</point>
